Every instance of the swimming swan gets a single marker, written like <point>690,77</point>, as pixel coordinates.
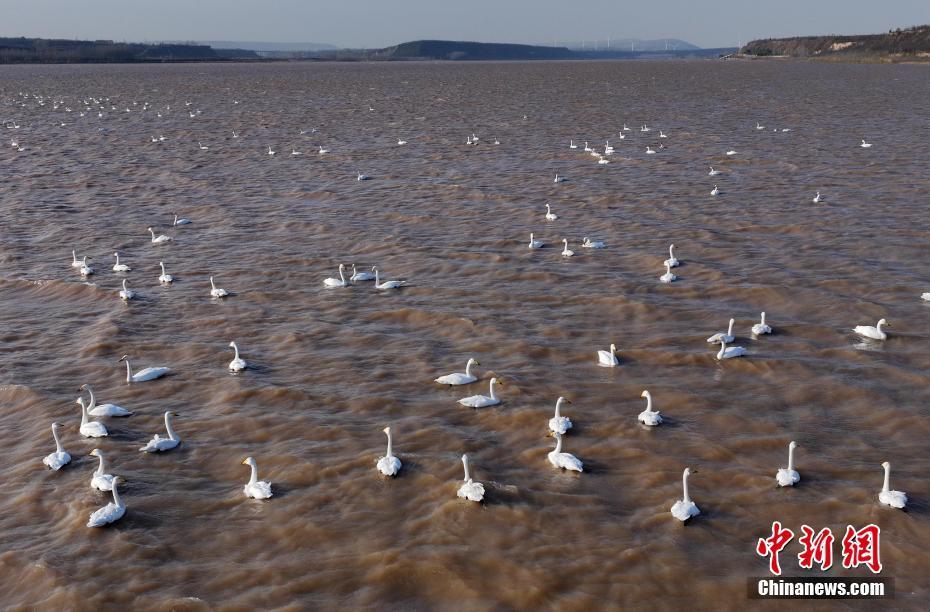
<point>713,172</point>
<point>535,244</point>
<point>391,284</point>
<point>550,216</point>
<point>158,444</point>
<point>672,261</point>
<point>566,461</point>
<point>684,508</point>
<point>865,145</point>
<point>668,277</point>
<point>649,416</point>
<point>388,465</point>
<point>165,278</point>
<point>90,429</point>
<point>217,292</point>
<point>181,221</point>
<point>788,477</point>
<point>875,333</point>
<point>85,270</point>
<point>101,480</point>
<point>238,363</point>
<point>472,491</point>
<point>144,374</point>
<point>816,198</point>
<point>895,499</point>
<point>361,276</point>
<point>75,262</point>
<point>458,378</point>
<point>608,358</point>
<point>337,282</point>
<point>731,352</point>
<point>723,337</point>
<point>761,328</point>
<point>255,488</point>
<point>110,513</point>
<point>714,191</point>
<point>60,457</point>
<point>482,401</point>
<point>103,410</point>
<point>567,252</point>
<point>118,267</point>
<point>126,293</point>
<point>160,239</point>
<point>592,244</point>
<point>559,424</point>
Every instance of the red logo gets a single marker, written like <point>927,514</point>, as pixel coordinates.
<point>860,547</point>
<point>772,545</point>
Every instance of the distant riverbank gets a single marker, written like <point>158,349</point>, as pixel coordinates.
<point>896,46</point>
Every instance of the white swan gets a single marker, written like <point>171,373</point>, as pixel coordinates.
<point>895,499</point>
<point>875,333</point>
<point>662,134</point>
<point>649,416</point>
<point>323,151</point>
<point>100,479</point>
<point>558,179</point>
<point>388,465</point>
<point>482,401</point>
<point>668,277</point>
<point>608,358</point>
<point>625,128</point>
<point>181,221</point>
<point>572,145</point>
<point>592,244</point>
<point>730,352</point>
<point>472,491</point>
<point>566,461</point>
<point>925,296</point>
<point>90,429</point>
<point>459,378</point>
<point>361,177</point>
<point>85,269</point>
<point>337,282</point>
<point>761,328</point>
<point>126,293</point>
<point>103,410</point>
<point>645,129</point>
<point>567,252</point>
<point>118,267</point>
<point>401,141</point>
<point>535,244</point>
<point>165,278</point>
<point>759,126</point>
<point>158,444</point>
<point>672,261</point>
<point>110,513</point>
<point>723,337</point>
<point>75,262</point>
<point>255,488</point>
<point>603,160</point>
<point>713,172</point>
<point>550,216</point>
<point>649,150</point>
<point>60,457</point>
<point>865,145</point>
<point>271,151</point>
<point>160,239</point>
<point>217,292</point>
<point>788,477</point>
<point>684,508</point>
<point>238,363</point>
<point>144,374</point>
<point>361,276</point>
<point>202,146</point>
<point>559,424</point>
<point>731,152</point>
<point>586,147</point>
<point>714,191</point>
<point>816,198</point>
<point>391,284</point>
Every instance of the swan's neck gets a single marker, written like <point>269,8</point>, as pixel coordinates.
<point>671,251</point>
<point>170,431</point>
<point>790,458</point>
<point>465,464</point>
<point>116,499</point>
<point>341,277</point>
<point>162,268</point>
<point>83,412</point>
<point>93,400</point>
<point>493,397</point>
<point>390,446</point>
<point>58,447</point>
<point>153,233</point>
<point>887,485</point>
<point>128,372</point>
<point>730,328</point>
<point>254,477</point>
<point>73,256</point>
<point>377,281</point>
<point>468,368</point>
<point>763,318</point>
<point>879,327</point>
<point>558,445</point>
<point>212,285</point>
<point>723,348</point>
<point>648,402</point>
<point>558,406</point>
<point>684,486</point>
<point>117,258</point>
<point>353,270</point>
<point>236,349</point>
<point>101,469</point>
<point>175,219</point>
<point>124,289</point>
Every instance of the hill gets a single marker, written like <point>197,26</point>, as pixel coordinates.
<point>44,50</point>
<point>896,45</point>
<point>451,50</point>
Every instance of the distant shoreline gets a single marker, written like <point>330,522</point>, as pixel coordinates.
<point>909,45</point>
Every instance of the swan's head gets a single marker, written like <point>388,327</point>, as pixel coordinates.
<point>151,230</point>
<point>886,465</point>
<point>56,425</point>
<point>80,401</point>
<point>387,430</point>
<point>116,254</point>
<point>563,400</point>
<point>585,239</point>
<point>248,461</point>
<point>473,362</point>
<point>613,348</point>
<point>792,445</point>
<point>123,358</point>
<point>688,471</point>
<point>644,394</point>
<point>84,386</point>
<point>95,452</point>
<point>884,322</point>
<point>497,381</point>
<point>233,344</point>
<point>171,413</point>
<point>342,266</point>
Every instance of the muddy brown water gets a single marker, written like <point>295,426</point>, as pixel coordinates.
<point>331,367</point>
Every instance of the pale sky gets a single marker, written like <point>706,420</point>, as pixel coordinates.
<point>379,23</point>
